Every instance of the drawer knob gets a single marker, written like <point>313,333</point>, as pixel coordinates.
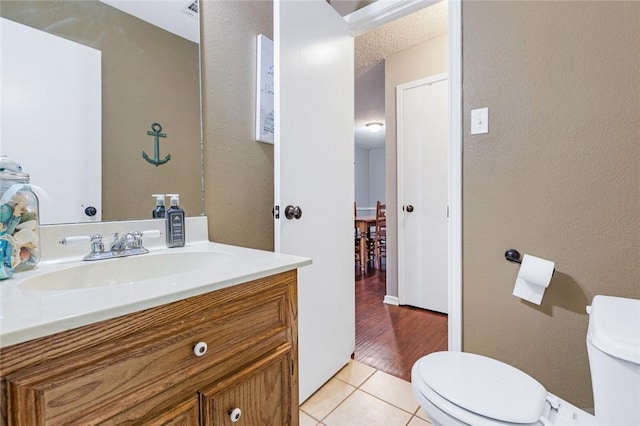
<point>200,349</point>
<point>234,414</point>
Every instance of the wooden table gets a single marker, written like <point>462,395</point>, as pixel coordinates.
<point>363,223</point>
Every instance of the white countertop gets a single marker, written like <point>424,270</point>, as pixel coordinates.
<point>27,314</point>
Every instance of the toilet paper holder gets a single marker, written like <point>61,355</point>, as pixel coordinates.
<point>513,255</point>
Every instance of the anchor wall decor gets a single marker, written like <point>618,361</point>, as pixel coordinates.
<point>156,128</point>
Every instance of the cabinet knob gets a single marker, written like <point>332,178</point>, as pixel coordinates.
<point>200,349</point>
<point>234,414</point>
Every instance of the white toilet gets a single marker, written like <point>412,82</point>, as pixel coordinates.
<point>458,388</point>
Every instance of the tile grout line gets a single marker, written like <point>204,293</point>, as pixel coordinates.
<point>412,414</point>
<point>380,399</point>
<point>334,408</point>
<point>356,388</point>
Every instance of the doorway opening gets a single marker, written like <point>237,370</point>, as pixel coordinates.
<point>385,280</point>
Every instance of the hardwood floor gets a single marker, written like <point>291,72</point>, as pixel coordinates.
<point>392,338</point>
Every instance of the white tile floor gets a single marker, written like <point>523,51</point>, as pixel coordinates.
<point>361,395</point>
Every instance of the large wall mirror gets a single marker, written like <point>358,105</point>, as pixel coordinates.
<point>147,75</point>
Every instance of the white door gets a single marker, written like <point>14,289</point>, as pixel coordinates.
<point>423,140</point>
<point>313,60</point>
<point>68,119</point>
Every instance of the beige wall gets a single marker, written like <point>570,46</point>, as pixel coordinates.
<point>148,75</point>
<point>238,170</point>
<point>558,176</point>
<point>421,61</point>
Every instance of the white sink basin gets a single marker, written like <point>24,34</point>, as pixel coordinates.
<point>124,270</point>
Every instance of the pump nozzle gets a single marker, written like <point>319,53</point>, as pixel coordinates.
<point>175,199</point>
<point>159,199</point>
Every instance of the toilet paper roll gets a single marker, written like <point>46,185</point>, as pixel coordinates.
<point>533,278</point>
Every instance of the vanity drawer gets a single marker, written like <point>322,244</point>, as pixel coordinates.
<point>161,360</point>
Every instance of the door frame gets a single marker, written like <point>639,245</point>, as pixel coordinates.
<point>379,13</point>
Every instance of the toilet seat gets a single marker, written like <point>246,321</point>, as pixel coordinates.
<point>479,390</point>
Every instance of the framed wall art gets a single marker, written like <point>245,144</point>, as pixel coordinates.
<point>264,91</point>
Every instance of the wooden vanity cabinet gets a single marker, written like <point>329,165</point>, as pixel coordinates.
<point>191,362</point>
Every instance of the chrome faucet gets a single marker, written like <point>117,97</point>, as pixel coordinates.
<point>128,244</point>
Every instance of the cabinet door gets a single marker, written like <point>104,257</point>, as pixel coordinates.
<point>258,395</point>
<point>185,414</point>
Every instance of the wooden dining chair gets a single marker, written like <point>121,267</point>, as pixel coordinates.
<point>380,245</point>
<point>357,236</point>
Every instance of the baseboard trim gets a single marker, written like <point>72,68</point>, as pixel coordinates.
<point>391,300</point>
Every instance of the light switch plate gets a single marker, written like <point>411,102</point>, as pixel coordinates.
<point>479,121</point>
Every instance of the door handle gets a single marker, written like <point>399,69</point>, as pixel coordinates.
<point>291,212</point>
<point>409,208</point>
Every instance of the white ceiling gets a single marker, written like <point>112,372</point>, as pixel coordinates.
<point>171,15</point>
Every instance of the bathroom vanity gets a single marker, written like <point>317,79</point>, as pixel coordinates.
<point>210,347</point>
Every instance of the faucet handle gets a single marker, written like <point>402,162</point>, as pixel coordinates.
<point>79,239</point>
<point>97,246</point>
<point>152,233</point>
<point>134,239</point>
<point>139,235</point>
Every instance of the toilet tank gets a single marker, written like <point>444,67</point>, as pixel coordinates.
<point>613,346</point>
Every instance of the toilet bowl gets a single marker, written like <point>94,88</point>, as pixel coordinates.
<point>459,388</point>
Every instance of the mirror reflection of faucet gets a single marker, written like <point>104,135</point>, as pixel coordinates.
<point>128,244</point>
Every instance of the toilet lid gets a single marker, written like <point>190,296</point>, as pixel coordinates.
<point>484,386</point>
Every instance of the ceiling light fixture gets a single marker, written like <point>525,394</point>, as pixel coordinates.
<point>374,127</point>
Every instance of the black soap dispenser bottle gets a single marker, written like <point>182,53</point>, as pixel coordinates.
<point>159,211</point>
<point>175,223</point>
